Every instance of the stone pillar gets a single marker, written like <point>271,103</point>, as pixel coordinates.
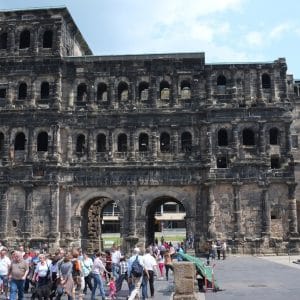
<point>174,141</point>
<point>209,87</point>
<point>53,233</point>
<point>132,213</point>
<point>131,155</point>
<point>68,212</point>
<point>56,142</point>
<point>71,99</point>
<point>293,222</point>
<point>266,212</point>
<point>184,277</point>
<point>34,92</point>
<point>288,137</point>
<point>6,147</point>
<point>31,144</point>
<point>237,208</point>
<point>91,147</point>
<point>235,139</point>
<point>110,144</point>
<point>28,211</point>
<point>69,145</point>
<point>262,138</point>
<point>258,86</point>
<point>58,92</point>
<point>211,230</point>
<point>3,211</point>
<point>154,143</point>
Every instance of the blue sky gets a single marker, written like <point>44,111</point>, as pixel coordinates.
<point>226,30</point>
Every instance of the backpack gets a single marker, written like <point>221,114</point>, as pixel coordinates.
<point>137,268</point>
<point>76,270</point>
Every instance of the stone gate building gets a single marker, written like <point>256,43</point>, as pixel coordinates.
<point>79,131</point>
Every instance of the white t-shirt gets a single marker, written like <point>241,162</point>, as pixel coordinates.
<point>41,269</point>
<point>149,262</point>
<point>116,256</point>
<point>4,265</point>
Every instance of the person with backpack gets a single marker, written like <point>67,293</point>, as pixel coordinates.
<point>135,272</point>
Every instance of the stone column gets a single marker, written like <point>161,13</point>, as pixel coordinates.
<point>71,99</point>
<point>31,144</point>
<point>68,212</point>
<point>131,155</point>
<point>34,92</point>
<point>3,211</point>
<point>132,213</point>
<point>174,142</point>
<point>91,147</point>
<point>28,211</point>
<point>6,147</point>
<point>293,222</point>
<point>211,203</point>
<point>258,86</point>
<point>262,138</point>
<point>54,212</point>
<point>266,213</point>
<point>288,137</point>
<point>110,144</point>
<point>69,145</point>
<point>56,142</point>
<point>154,143</point>
<point>209,87</point>
<point>237,208</point>
<point>58,92</point>
<point>235,139</point>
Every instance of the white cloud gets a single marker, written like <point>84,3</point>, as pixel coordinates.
<point>278,31</point>
<point>254,38</point>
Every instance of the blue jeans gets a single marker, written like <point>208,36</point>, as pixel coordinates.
<point>16,286</point>
<point>115,270</point>
<point>97,282</point>
<point>145,287</point>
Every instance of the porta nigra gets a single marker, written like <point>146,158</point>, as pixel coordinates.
<point>80,131</point>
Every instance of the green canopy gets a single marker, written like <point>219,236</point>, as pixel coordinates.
<point>204,270</point>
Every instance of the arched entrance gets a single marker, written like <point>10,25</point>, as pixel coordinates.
<point>165,216</point>
<point>100,226</point>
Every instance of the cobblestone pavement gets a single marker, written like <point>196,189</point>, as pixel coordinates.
<point>257,278</point>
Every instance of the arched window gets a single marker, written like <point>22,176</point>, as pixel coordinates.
<point>1,143</point>
<point>164,89</point>
<point>20,141</point>
<point>82,92</point>
<point>274,134</point>
<point>222,162</point>
<point>266,81</point>
<point>186,142</point>
<point>185,88</point>
<point>25,39</point>
<point>80,143</point>
<point>221,84</point>
<point>221,80</point>
<point>275,162</point>
<point>165,142</point>
<point>222,137</point>
<point>143,142</point>
<point>143,91</point>
<point>22,91</point>
<point>47,39</point>
<point>122,142</point>
<point>3,41</point>
<point>248,137</point>
<point>42,141</point>
<point>296,91</point>
<point>45,90</point>
<point>101,142</point>
<point>123,91</point>
<point>102,92</point>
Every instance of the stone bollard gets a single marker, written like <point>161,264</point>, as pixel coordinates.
<point>184,276</point>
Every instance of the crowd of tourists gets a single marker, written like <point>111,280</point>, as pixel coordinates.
<point>73,272</point>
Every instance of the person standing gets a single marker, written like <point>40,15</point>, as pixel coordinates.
<point>150,265</point>
<point>168,263</point>
<point>135,281</point>
<point>224,248</point>
<point>42,271</point>
<point>87,265</point>
<point>97,273</point>
<point>17,275</point>
<point>123,275</point>
<point>4,269</point>
<point>115,259</point>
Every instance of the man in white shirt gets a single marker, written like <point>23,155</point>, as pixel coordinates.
<point>135,281</point>
<point>115,259</point>
<point>151,266</point>
<point>4,268</point>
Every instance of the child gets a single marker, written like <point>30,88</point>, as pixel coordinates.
<point>112,288</point>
